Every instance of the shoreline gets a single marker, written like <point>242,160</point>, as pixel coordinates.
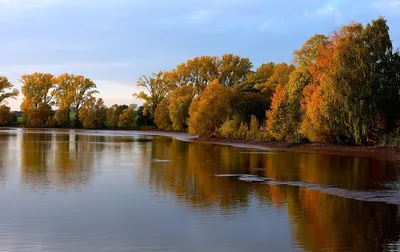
<point>389,153</point>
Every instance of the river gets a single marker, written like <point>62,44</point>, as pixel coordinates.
<point>72,190</point>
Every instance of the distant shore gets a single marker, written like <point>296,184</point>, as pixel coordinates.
<point>390,153</point>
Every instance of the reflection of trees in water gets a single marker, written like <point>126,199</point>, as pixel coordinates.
<point>318,220</point>
<point>66,160</point>
<point>187,176</point>
<point>6,157</point>
<point>60,160</point>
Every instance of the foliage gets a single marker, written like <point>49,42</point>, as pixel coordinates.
<point>62,117</point>
<point>127,119</point>
<point>144,119</point>
<point>179,103</point>
<point>6,116</point>
<point>254,131</point>
<point>233,69</point>
<point>6,90</point>
<point>93,114</point>
<point>71,91</point>
<point>156,91</point>
<point>161,117</point>
<point>209,111</point>
<point>229,128</point>
<point>113,114</point>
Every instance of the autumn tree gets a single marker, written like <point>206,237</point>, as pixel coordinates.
<point>93,113</point>
<point>72,91</point>
<point>6,90</point>
<point>113,114</point>
<point>233,69</point>
<point>37,101</point>
<point>62,117</point>
<point>127,119</point>
<point>161,116</point>
<point>156,91</point>
<point>6,116</point>
<point>178,108</point>
<point>197,72</point>
<point>209,111</point>
<point>143,119</point>
<point>310,50</point>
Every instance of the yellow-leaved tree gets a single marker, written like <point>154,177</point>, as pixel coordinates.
<point>209,111</point>
<point>38,98</point>
<point>156,90</point>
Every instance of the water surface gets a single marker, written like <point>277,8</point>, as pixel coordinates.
<point>67,190</point>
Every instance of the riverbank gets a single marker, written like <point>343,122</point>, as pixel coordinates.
<point>390,153</point>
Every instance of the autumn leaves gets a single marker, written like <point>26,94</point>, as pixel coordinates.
<point>341,88</point>
<point>344,87</point>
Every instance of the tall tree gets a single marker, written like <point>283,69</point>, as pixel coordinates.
<point>37,87</point>
<point>72,91</point>
<point>6,89</point>
<point>209,111</point>
<point>233,69</point>
<point>197,72</point>
<point>38,98</point>
<point>156,91</point>
<point>180,101</point>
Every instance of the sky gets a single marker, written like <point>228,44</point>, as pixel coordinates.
<point>115,42</point>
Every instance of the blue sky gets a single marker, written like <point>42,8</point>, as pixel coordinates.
<point>114,42</point>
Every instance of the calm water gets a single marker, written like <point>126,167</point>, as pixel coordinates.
<point>110,191</point>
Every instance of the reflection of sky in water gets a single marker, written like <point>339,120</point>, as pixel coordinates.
<point>74,191</point>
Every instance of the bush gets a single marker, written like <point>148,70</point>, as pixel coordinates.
<point>254,132</point>
<point>229,128</point>
<point>242,131</point>
<point>7,117</point>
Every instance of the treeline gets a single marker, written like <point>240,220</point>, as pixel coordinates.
<point>71,95</point>
<point>343,88</point>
